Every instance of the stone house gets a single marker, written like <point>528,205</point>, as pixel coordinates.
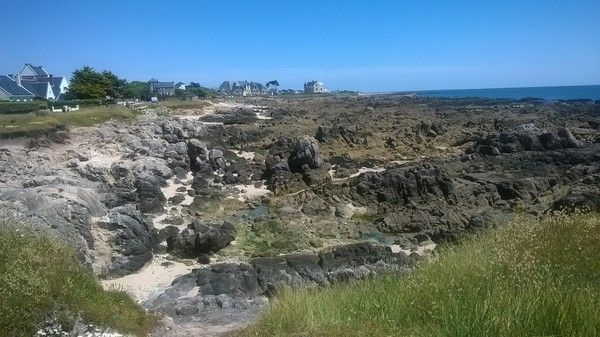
<point>314,87</point>
<point>161,89</point>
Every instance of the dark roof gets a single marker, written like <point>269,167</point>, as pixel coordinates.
<point>54,82</point>
<point>158,85</point>
<point>12,88</point>
<point>38,70</point>
<point>226,86</point>
<point>56,86</point>
<point>36,88</point>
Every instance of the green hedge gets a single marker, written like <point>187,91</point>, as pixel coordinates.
<point>20,107</point>
<point>73,103</point>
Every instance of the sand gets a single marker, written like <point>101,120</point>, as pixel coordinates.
<point>152,278</point>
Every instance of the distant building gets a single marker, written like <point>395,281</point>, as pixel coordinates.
<point>161,89</point>
<point>40,83</point>
<point>242,88</point>
<point>11,90</point>
<point>314,87</point>
<point>180,86</point>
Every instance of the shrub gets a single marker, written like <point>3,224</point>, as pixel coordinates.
<point>21,107</point>
<point>81,102</point>
<point>42,279</point>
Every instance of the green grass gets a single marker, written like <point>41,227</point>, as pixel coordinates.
<point>535,277</point>
<point>34,124</point>
<point>42,279</point>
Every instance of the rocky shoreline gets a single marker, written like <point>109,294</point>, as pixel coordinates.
<point>203,214</point>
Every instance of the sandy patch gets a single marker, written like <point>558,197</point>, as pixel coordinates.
<point>152,279</point>
<point>250,192</point>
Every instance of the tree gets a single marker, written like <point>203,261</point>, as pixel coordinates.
<point>194,85</point>
<point>86,83</point>
<point>273,83</point>
<point>136,89</point>
<point>115,84</point>
<point>180,93</point>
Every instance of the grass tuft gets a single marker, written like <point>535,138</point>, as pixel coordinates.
<point>535,277</point>
<point>41,279</point>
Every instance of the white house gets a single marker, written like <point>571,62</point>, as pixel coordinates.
<point>37,80</point>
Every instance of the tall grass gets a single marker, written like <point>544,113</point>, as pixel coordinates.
<point>535,277</point>
<point>41,279</point>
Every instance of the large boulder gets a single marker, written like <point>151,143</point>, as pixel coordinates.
<point>198,154</point>
<point>131,239</point>
<point>306,152</point>
<point>199,239</point>
<point>150,196</point>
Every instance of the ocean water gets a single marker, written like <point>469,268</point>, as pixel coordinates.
<point>545,93</point>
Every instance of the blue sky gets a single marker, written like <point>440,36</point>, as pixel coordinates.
<point>359,45</point>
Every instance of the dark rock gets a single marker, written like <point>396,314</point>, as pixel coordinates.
<point>216,159</point>
<point>200,239</point>
<point>150,196</point>
<point>306,152</point>
<point>204,259</point>
<point>198,154</point>
<point>567,138</point>
<point>132,239</point>
<point>487,150</point>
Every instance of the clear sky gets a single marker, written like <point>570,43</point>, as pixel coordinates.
<point>360,45</point>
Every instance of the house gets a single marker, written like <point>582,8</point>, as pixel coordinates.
<point>180,86</point>
<point>11,90</point>
<point>242,88</point>
<point>39,89</point>
<point>161,89</point>
<point>314,87</point>
<point>32,78</point>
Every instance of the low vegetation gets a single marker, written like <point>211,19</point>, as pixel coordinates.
<point>179,104</point>
<point>535,277</point>
<point>41,279</point>
<point>21,107</point>
<point>35,124</point>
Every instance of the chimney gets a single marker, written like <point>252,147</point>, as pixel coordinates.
<point>19,80</point>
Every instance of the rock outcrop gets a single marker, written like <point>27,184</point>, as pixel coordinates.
<point>199,239</point>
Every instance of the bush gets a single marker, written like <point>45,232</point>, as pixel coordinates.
<point>81,102</point>
<point>532,278</point>
<point>21,107</point>
<point>41,279</point>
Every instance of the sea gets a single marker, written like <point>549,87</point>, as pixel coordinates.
<point>546,93</point>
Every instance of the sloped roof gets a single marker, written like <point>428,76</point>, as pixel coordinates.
<point>12,88</point>
<point>158,85</point>
<point>38,89</point>
<point>38,70</point>
<point>56,81</point>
